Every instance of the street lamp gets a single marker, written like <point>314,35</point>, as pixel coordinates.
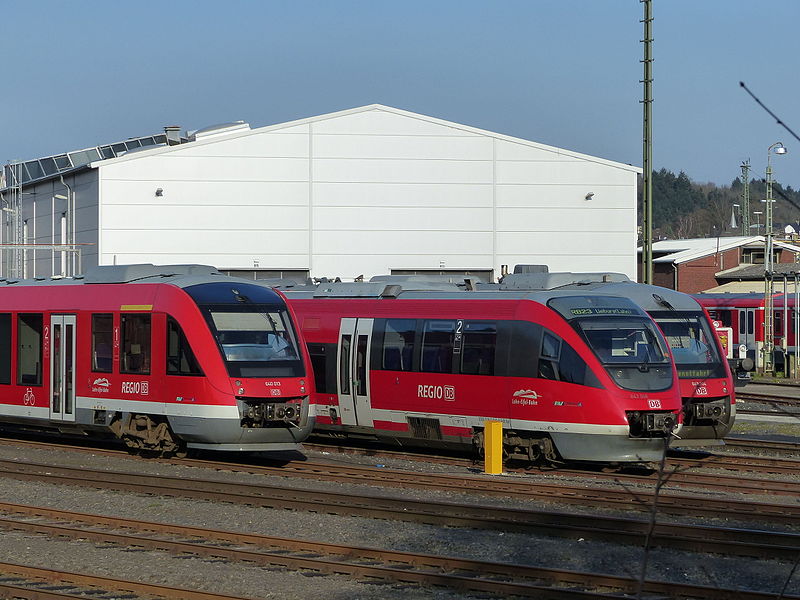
<point>758,214</point>
<point>769,326</point>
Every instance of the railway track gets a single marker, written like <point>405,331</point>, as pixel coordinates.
<point>33,583</point>
<point>772,446</point>
<point>529,486</point>
<point>738,463</point>
<point>767,399</point>
<point>712,540</point>
<point>424,569</point>
<point>477,516</point>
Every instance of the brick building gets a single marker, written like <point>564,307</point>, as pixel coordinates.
<point>697,265</point>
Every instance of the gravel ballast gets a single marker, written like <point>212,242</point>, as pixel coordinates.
<point>257,582</point>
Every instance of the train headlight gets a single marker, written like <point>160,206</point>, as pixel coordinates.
<point>241,391</point>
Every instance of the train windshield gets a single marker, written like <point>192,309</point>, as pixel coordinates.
<point>256,341</point>
<point>693,344</point>
<point>631,349</point>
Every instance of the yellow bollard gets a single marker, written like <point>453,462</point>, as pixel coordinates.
<point>493,447</point>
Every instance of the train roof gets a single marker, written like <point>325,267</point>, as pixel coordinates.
<point>539,287</point>
<point>750,300</point>
<point>178,275</point>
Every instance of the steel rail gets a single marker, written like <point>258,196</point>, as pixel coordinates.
<point>623,530</point>
<point>320,470</point>
<point>528,488</point>
<point>460,482</point>
<point>767,399</point>
<point>459,573</point>
<point>32,583</point>
<point>769,445</point>
<point>734,462</point>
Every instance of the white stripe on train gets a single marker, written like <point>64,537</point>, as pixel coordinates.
<point>395,416</point>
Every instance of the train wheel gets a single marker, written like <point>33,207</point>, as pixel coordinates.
<point>148,435</point>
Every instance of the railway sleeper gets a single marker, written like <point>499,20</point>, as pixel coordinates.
<point>147,433</point>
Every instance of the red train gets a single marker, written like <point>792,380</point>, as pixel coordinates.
<point>573,375</point>
<point>705,378</point>
<point>744,314</point>
<point>164,358</point>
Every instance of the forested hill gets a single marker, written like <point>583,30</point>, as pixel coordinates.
<point>685,209</point>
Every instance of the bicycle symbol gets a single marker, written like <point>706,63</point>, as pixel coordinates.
<point>29,398</point>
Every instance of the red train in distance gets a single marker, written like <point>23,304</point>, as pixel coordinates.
<point>163,357</point>
<point>573,376</point>
<point>705,378</point>
<point>744,315</point>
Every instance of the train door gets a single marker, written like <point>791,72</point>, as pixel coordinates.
<point>747,319</point>
<point>62,367</point>
<point>355,337</point>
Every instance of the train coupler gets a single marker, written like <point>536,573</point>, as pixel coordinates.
<point>267,414</point>
<point>710,413</point>
<point>648,424</point>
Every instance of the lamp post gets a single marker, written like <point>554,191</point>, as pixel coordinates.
<point>746,197</point>
<point>769,325</point>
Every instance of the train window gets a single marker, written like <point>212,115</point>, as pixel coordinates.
<point>519,355</point>
<point>135,340</point>
<point>548,359</point>
<point>571,367</point>
<point>559,361</point>
<point>180,358</point>
<point>102,343</point>
<point>5,348</point>
<point>398,344</point>
<point>323,361</point>
<point>480,342</point>
<point>437,346</point>
<point>29,350</point>
<point>344,366</point>
<point>750,319</point>
<point>361,366</point>
<point>742,323</point>
<point>725,317</point>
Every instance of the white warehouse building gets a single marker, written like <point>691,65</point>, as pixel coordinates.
<point>367,191</point>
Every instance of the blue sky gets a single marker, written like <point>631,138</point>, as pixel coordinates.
<point>560,72</point>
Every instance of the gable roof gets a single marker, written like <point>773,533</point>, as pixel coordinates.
<point>362,109</point>
<point>681,251</point>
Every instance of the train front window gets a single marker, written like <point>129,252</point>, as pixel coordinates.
<point>632,351</point>
<point>256,341</point>
<point>693,344</point>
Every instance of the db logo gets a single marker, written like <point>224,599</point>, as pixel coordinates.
<point>275,392</point>
<point>654,403</point>
<point>437,392</point>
